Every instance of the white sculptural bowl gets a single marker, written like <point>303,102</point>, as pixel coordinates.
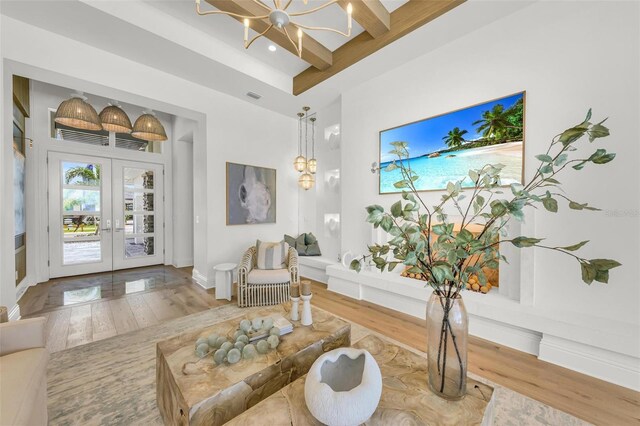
<point>343,387</point>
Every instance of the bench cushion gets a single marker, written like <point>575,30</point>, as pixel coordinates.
<point>268,276</point>
<point>23,378</point>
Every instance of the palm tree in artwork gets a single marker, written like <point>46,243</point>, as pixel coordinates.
<point>455,137</point>
<point>493,122</point>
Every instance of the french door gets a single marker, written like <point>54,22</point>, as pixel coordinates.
<point>104,214</point>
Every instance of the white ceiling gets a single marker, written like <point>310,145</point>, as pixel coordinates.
<point>207,50</point>
<point>230,31</point>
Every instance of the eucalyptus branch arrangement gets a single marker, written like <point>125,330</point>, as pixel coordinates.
<point>448,253</point>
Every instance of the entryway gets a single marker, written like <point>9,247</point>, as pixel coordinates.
<point>104,214</point>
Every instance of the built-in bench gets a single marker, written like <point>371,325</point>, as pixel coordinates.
<point>315,267</point>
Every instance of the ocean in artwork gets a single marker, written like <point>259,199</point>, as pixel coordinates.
<point>444,148</point>
<point>436,172</point>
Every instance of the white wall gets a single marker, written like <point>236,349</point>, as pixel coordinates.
<point>183,177</point>
<point>568,56</point>
<point>228,130</point>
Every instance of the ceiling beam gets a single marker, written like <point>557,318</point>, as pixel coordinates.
<point>370,14</point>
<point>313,52</point>
<point>406,18</point>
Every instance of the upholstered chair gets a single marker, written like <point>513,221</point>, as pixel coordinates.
<point>23,373</point>
<point>262,287</point>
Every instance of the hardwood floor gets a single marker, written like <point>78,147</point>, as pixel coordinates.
<point>172,294</point>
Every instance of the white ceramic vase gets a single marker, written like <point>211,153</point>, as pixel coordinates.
<point>343,387</point>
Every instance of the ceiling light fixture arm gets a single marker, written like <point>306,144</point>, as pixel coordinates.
<point>222,12</point>
<point>307,27</point>
<point>257,36</point>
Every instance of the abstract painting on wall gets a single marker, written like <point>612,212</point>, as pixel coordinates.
<point>251,194</point>
<point>445,147</point>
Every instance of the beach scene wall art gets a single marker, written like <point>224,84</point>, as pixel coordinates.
<point>251,194</point>
<point>445,147</point>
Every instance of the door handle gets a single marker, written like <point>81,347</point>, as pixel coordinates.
<point>108,227</point>
<point>118,229</point>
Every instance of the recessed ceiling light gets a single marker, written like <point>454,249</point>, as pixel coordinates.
<point>272,48</point>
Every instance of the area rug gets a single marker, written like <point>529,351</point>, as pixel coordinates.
<point>112,381</point>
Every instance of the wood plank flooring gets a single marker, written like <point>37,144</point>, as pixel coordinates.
<point>590,399</point>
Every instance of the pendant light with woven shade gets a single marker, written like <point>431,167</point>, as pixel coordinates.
<point>77,113</point>
<point>114,119</point>
<point>148,128</point>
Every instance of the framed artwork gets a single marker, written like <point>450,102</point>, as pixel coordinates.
<point>251,194</point>
<point>445,147</point>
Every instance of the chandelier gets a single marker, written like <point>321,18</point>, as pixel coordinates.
<point>302,163</point>
<point>280,18</point>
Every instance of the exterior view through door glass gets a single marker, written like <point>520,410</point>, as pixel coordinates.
<point>80,214</point>
<point>104,214</point>
<point>138,214</point>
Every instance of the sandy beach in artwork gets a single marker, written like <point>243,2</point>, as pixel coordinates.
<point>513,149</point>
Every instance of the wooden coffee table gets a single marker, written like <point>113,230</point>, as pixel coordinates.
<point>406,399</point>
<point>212,395</point>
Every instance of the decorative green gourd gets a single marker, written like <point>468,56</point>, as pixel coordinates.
<point>245,325</point>
<point>202,349</point>
<point>219,356</point>
<point>273,341</point>
<point>239,346</point>
<point>220,341</point>
<point>256,324</point>
<point>275,331</point>
<point>201,340</point>
<point>233,356</point>
<point>262,346</point>
<point>227,346</point>
<point>237,334</point>
<point>267,323</point>
<point>249,351</point>
<point>244,339</point>
<point>211,340</point>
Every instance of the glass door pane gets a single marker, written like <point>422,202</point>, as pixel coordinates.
<point>79,197</point>
<point>139,230</point>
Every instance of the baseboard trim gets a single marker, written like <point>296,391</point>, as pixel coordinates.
<point>14,313</point>
<point>201,280</point>
<point>603,364</point>
<point>181,263</point>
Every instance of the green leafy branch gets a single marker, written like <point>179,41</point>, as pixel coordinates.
<point>425,241</point>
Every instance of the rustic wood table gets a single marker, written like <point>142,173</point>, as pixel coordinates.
<point>208,394</point>
<point>406,399</point>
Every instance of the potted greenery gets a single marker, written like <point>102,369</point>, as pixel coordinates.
<point>448,254</point>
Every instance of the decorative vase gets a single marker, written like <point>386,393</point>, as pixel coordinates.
<point>447,335</point>
<point>343,387</point>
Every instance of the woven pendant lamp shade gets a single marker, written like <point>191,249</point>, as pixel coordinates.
<point>77,113</point>
<point>148,128</point>
<point>114,119</point>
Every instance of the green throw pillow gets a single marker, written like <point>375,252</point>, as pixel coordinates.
<point>310,239</point>
<point>290,240</point>
<point>313,250</point>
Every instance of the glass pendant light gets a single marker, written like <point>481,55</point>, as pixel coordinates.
<point>312,163</point>
<point>114,119</point>
<point>148,128</point>
<point>77,113</point>
<point>300,163</point>
<point>306,181</point>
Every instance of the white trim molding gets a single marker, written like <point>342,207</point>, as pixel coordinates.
<point>607,351</point>
<point>614,367</point>
<point>201,280</point>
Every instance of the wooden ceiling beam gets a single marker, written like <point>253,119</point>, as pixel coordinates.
<point>370,14</point>
<point>406,18</point>
<point>313,51</point>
